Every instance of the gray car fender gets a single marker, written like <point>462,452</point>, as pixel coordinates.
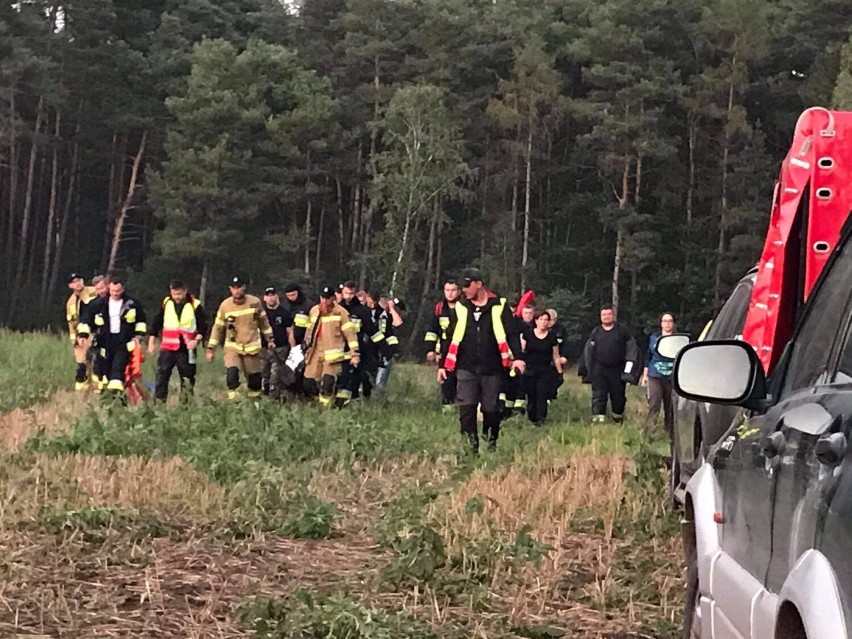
<point>811,586</point>
<point>703,488</point>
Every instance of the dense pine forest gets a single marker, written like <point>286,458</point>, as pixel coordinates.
<point>593,150</point>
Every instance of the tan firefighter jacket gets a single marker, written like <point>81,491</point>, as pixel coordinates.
<point>238,326</point>
<point>73,308</point>
<point>329,335</point>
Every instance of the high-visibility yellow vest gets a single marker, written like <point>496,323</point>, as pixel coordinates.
<point>462,315</point>
<point>174,327</point>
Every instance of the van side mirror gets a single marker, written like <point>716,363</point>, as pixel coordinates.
<point>721,372</point>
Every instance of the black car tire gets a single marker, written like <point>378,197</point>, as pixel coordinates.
<point>691,616</point>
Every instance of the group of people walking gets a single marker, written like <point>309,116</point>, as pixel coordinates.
<point>494,358</point>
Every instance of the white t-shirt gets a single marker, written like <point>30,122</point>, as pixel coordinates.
<point>115,316</point>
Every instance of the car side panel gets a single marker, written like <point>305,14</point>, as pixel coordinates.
<point>734,604</point>
<point>812,587</point>
<point>834,539</point>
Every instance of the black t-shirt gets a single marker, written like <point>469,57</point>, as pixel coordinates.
<point>279,319</point>
<point>539,351</point>
<point>610,347</point>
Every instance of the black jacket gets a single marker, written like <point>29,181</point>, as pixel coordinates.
<point>384,322</point>
<point>631,369</point>
<point>478,351</point>
<point>300,310</point>
<point>95,320</point>
<point>442,321</point>
<point>372,344</point>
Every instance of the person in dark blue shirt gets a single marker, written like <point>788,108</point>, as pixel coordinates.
<point>657,378</point>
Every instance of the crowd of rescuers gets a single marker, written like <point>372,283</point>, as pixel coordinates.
<point>494,360</point>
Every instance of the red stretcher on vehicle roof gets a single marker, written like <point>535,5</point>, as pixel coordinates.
<point>812,200</point>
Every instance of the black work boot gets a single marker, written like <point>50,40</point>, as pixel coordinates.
<point>473,439</point>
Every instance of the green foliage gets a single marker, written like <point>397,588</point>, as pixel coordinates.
<point>842,98</point>
<point>94,521</point>
<point>304,615</point>
<point>23,353</point>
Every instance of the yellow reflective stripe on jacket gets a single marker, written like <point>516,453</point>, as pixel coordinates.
<point>300,320</point>
<point>347,326</point>
<point>392,340</point>
<point>331,318</point>
<point>431,337</point>
<point>332,355</point>
<point>353,345</point>
<point>378,337</point>
<point>245,311</point>
<point>141,327</point>
<point>248,349</point>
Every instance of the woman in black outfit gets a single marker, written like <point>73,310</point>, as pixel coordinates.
<point>543,364</point>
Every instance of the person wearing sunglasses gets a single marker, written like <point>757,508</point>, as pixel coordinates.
<point>484,345</point>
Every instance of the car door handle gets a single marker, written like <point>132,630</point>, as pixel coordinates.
<point>830,449</point>
<point>773,445</point>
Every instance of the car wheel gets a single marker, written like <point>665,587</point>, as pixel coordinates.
<point>674,478</point>
<point>692,600</point>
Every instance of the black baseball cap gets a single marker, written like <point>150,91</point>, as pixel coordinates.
<point>74,276</point>
<point>236,281</point>
<point>471,275</point>
<point>177,285</point>
<point>269,290</point>
<point>327,292</point>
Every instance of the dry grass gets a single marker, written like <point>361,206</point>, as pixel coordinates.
<point>18,425</point>
<point>64,587</point>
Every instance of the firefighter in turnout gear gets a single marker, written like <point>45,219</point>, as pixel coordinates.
<point>372,347</point>
<point>482,347</point>
<point>330,333</point>
<point>181,324</point>
<point>441,325</point>
<point>117,323</point>
<point>240,321</point>
<point>81,295</point>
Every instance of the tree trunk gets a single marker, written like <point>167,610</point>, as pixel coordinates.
<point>318,252</point>
<point>409,215</point>
<point>431,251</point>
<point>66,213</point>
<point>28,202</point>
<point>308,222</point>
<point>690,189</point>
<point>341,240</point>
<point>202,287</point>
<point>619,239</point>
<point>117,169</point>
<point>527,190</point>
<point>125,208</point>
<point>13,189</point>
<point>51,211</point>
<point>723,201</point>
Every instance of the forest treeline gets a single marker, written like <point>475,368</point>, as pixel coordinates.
<point>593,150</point>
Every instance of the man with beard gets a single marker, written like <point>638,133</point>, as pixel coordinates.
<point>240,322</point>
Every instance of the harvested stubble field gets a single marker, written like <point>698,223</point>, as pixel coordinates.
<point>217,520</point>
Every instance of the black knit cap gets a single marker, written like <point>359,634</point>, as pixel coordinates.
<point>292,287</point>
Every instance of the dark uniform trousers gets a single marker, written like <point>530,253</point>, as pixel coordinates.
<point>115,358</point>
<point>448,389</point>
<point>475,389</point>
<point>166,363</point>
<point>607,385</point>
